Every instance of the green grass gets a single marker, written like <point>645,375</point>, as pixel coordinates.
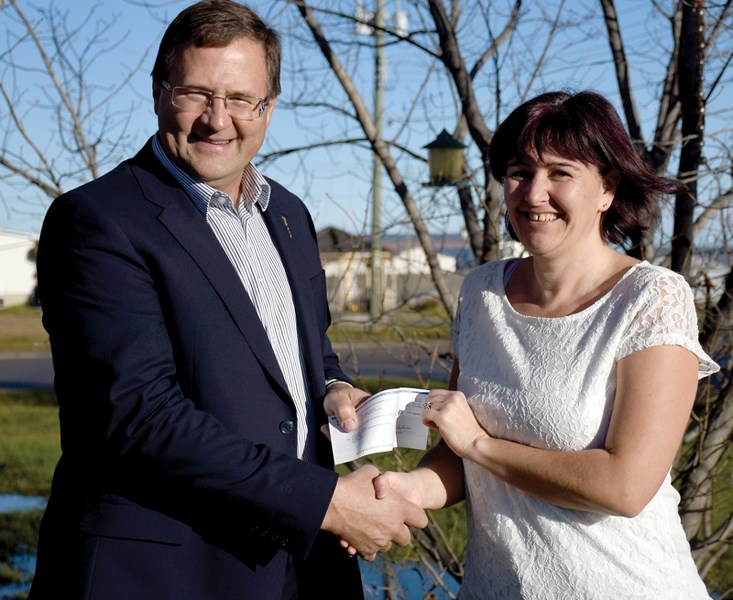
<point>374,384</point>
<point>29,441</point>
<point>720,576</point>
<point>21,309</point>
<point>21,329</point>
<point>403,325</point>
<point>359,332</point>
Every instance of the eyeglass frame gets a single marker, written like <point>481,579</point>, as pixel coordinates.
<point>211,96</point>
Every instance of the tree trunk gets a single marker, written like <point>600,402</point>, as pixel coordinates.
<point>690,72</point>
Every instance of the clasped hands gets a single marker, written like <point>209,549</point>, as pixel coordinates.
<point>370,511</point>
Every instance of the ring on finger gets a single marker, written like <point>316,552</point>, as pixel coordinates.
<point>428,405</point>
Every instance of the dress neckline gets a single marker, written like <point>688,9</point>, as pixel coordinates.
<point>510,266</point>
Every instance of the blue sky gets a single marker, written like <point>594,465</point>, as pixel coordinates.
<point>334,183</point>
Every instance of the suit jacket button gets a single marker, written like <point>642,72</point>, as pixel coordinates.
<point>287,427</point>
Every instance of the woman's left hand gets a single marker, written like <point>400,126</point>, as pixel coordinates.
<point>450,415</point>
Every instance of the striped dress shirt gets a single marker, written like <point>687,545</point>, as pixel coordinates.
<point>243,235</point>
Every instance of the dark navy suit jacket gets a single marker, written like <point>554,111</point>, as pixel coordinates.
<point>178,477</point>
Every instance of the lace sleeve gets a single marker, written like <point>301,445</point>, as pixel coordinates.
<point>666,317</point>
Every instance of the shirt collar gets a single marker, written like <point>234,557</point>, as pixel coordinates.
<point>255,188</point>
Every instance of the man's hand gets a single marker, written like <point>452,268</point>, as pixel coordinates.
<point>370,525</point>
<point>341,401</point>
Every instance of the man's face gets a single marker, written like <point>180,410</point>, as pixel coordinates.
<point>210,145</point>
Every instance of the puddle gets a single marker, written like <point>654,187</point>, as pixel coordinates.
<point>16,503</point>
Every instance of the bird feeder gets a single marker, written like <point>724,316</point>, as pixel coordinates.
<point>445,159</point>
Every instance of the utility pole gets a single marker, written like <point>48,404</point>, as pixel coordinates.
<point>373,24</point>
<point>375,299</point>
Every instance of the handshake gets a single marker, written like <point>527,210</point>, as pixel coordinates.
<point>369,517</point>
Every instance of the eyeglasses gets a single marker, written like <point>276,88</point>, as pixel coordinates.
<point>242,108</point>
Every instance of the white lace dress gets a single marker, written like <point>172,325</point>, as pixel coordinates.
<point>549,383</point>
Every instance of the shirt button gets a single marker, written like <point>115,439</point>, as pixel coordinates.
<point>287,427</point>
<point>220,200</point>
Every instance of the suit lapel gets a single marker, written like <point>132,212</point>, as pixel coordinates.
<point>181,218</point>
<point>289,241</point>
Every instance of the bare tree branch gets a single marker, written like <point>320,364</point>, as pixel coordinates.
<point>381,149</point>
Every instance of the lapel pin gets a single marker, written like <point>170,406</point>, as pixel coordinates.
<point>285,222</point>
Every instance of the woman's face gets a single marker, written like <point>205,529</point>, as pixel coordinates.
<point>555,204</point>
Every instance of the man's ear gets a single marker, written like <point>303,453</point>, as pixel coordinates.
<point>269,109</point>
<point>157,91</point>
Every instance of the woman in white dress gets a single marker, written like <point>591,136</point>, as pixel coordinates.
<point>575,374</point>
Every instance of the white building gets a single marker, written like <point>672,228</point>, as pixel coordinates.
<point>405,273</point>
<point>17,267</point>
<point>412,261</point>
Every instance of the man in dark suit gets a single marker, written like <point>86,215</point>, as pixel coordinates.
<point>186,307</point>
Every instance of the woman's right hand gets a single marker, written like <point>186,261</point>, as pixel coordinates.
<point>404,484</point>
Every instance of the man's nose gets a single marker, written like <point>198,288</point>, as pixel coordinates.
<point>216,113</point>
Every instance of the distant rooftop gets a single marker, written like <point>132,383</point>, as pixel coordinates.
<point>332,239</point>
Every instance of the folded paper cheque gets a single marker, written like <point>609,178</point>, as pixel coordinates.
<point>388,419</point>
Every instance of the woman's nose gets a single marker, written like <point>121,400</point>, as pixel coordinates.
<point>536,189</point>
